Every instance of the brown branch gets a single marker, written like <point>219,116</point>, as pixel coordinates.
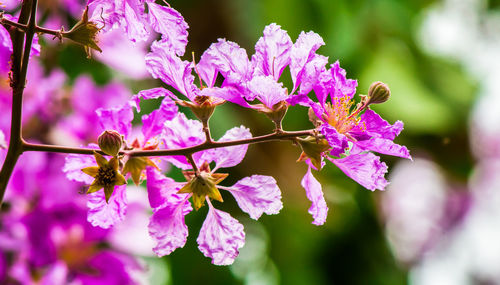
<point>20,59</point>
<point>186,151</point>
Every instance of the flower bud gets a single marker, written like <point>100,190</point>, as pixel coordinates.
<point>378,93</point>
<point>110,142</point>
<point>84,33</point>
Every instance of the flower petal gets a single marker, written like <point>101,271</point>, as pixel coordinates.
<point>266,90</point>
<point>302,52</point>
<point>337,141</point>
<point>231,61</point>
<point>118,119</point>
<point>165,65</point>
<point>104,214</point>
<point>341,86</point>
<point>152,93</point>
<point>161,189</point>
<point>364,168</point>
<point>272,52</point>
<point>384,146</point>
<point>167,227</point>
<point>232,155</point>
<point>378,127</point>
<point>74,163</point>
<point>152,124</point>
<point>314,192</point>
<point>182,132</point>
<point>220,237</point>
<point>171,25</point>
<point>256,195</point>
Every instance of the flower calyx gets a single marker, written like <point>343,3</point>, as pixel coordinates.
<point>202,185</point>
<point>203,106</point>
<point>313,148</point>
<point>136,165</point>
<point>106,175</point>
<point>276,113</point>
<point>84,33</point>
<point>110,142</point>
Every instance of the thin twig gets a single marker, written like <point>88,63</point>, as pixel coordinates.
<point>169,152</point>
<point>24,28</point>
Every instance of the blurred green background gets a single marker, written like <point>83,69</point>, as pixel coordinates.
<point>374,41</point>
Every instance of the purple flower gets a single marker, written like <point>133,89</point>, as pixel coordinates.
<point>106,213</point>
<point>131,16</point>
<point>245,81</point>
<point>221,235</point>
<point>350,131</point>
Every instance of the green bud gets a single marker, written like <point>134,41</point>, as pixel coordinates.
<point>84,33</point>
<point>378,93</point>
<point>110,142</point>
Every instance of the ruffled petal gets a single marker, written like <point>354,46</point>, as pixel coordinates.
<point>232,155</point>
<point>74,163</point>
<point>308,77</point>
<point>153,93</point>
<point>207,69</point>
<point>266,90</point>
<point>338,142</point>
<point>341,86</point>
<point>375,126</point>
<point>302,52</point>
<point>256,195</point>
<point>233,94</point>
<point>165,65</point>
<point>167,227</point>
<point>364,168</point>
<point>384,146</point>
<point>161,189</point>
<point>231,61</point>
<point>152,124</point>
<point>171,25</point>
<point>220,237</point>
<point>105,215</point>
<point>118,119</point>
<point>134,19</point>
<point>272,52</point>
<point>182,132</point>
<point>314,192</point>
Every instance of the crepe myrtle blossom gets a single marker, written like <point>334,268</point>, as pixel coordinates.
<point>137,21</point>
<point>106,209</point>
<point>221,235</point>
<point>347,134</point>
<point>258,79</point>
<point>164,64</point>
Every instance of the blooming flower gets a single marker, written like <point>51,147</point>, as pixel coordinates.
<point>106,212</point>
<point>350,132</point>
<point>246,81</point>
<point>221,235</point>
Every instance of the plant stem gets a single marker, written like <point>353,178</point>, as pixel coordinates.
<point>169,152</point>
<point>24,28</point>
<point>20,61</point>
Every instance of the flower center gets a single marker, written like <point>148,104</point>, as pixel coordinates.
<point>106,175</point>
<point>339,114</point>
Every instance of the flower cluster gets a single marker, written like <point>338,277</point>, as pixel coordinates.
<point>344,132</point>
